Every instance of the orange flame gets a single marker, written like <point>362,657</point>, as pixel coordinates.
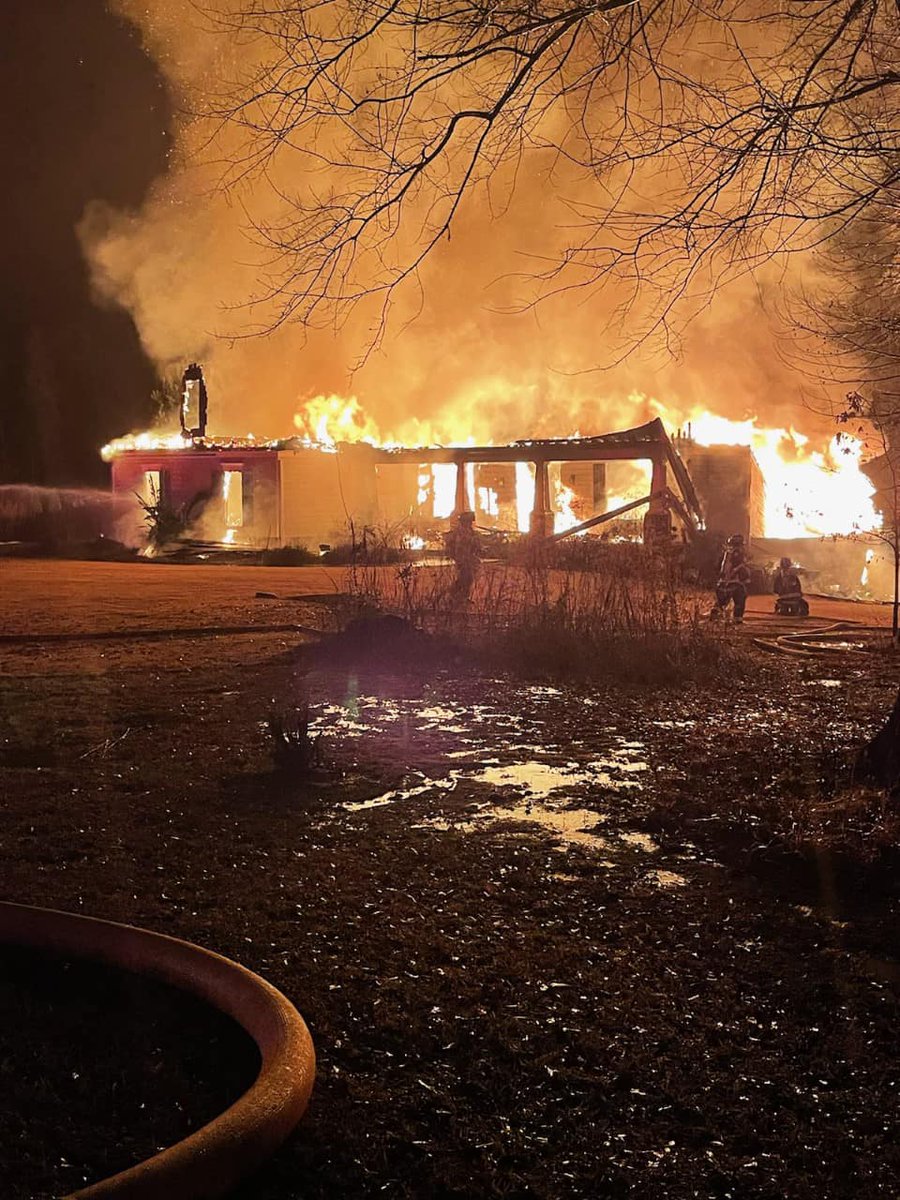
<point>564,517</point>
<point>327,420</point>
<point>808,493</point>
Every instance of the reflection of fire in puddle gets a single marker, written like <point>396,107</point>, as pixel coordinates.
<point>642,841</point>
<point>515,798</point>
<point>571,825</point>
<point>446,785</point>
<point>541,779</point>
<point>366,714</point>
<point>665,879</point>
<point>538,781</point>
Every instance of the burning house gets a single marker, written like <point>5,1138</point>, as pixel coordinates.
<point>254,494</point>
<point>297,492</point>
<point>305,492</point>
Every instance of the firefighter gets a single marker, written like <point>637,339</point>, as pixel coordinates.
<point>462,546</point>
<point>789,593</point>
<point>734,580</point>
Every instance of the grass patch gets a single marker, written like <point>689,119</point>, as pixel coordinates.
<point>104,1068</point>
<point>288,556</point>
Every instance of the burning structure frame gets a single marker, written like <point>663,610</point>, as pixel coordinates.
<point>296,492</point>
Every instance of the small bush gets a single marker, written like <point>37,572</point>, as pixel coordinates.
<point>295,750</point>
<point>288,556</point>
<point>167,524</point>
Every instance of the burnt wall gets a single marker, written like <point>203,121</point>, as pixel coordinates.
<point>197,480</point>
<point>326,498</point>
<point>730,488</point>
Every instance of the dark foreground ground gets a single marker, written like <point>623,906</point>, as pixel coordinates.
<point>550,943</point>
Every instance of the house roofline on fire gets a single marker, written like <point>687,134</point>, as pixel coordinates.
<point>621,443</point>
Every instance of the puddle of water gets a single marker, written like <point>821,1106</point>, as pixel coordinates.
<point>666,879</point>
<point>571,825</point>
<point>542,779</point>
<point>642,841</point>
<point>366,714</point>
<point>445,785</point>
<point>539,779</point>
<point>539,789</point>
<point>826,683</point>
<point>444,825</point>
<point>436,713</point>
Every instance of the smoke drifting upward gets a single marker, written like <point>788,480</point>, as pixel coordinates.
<point>455,361</point>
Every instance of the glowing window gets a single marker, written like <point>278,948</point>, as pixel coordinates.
<point>233,492</point>
<point>151,487</point>
<point>444,476</point>
<point>488,502</point>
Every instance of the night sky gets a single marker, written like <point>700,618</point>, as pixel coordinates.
<point>86,117</point>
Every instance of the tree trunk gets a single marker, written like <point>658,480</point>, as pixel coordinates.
<point>879,760</point>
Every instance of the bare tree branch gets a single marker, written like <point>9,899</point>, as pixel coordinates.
<point>694,137</point>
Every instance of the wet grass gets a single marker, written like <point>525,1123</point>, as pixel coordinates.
<point>497,1010</point>
<point>101,1069</point>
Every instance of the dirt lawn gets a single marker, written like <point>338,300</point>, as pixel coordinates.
<point>50,595</point>
<point>550,942</point>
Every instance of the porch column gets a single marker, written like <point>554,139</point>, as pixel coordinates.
<point>463,501</point>
<point>658,484</point>
<point>542,513</point>
<point>657,522</point>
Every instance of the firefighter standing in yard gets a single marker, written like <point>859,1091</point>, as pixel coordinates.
<point>462,546</point>
<point>734,580</point>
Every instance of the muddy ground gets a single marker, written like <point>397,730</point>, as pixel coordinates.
<point>549,942</point>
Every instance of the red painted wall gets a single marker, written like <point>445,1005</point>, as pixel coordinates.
<point>186,474</point>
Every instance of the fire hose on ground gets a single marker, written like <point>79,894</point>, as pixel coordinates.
<point>829,639</point>
<point>211,1161</point>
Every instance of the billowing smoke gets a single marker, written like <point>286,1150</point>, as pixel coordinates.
<point>456,360</point>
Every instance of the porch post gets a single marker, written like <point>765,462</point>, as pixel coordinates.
<point>542,513</point>
<point>462,503</point>
<point>657,522</point>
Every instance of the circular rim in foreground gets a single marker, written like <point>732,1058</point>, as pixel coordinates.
<point>211,1161</point>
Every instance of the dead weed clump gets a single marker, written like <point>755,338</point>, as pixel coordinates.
<point>296,751</point>
<point>859,824</point>
<point>634,624</point>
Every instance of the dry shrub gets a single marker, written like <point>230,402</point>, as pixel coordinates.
<point>632,622</point>
<point>860,823</point>
<point>295,750</point>
<point>288,556</point>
